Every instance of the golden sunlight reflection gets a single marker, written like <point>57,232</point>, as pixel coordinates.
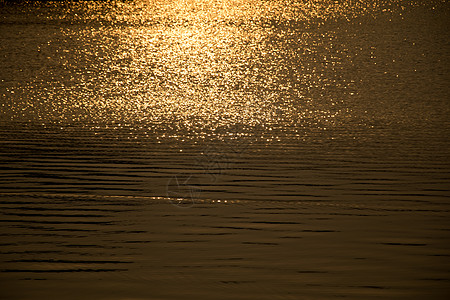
<point>198,66</point>
<point>308,138</point>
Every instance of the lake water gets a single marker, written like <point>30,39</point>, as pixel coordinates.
<point>242,149</point>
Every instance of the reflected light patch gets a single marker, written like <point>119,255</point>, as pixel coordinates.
<point>192,67</point>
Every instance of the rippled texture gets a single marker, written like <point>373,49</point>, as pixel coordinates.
<point>224,149</point>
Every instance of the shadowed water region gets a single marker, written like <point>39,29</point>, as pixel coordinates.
<point>242,149</point>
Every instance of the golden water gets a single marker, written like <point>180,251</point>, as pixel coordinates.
<point>240,149</point>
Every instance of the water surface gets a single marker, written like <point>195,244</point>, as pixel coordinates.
<point>224,149</point>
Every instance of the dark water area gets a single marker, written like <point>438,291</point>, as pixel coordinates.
<point>240,149</point>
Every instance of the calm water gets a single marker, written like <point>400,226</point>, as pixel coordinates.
<point>241,149</point>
